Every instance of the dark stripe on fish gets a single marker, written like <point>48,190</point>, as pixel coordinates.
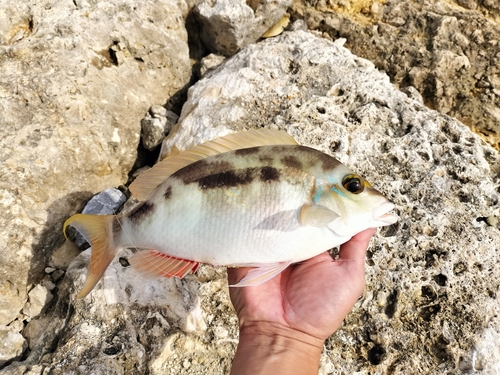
<point>138,214</point>
<point>291,162</point>
<point>220,170</point>
<point>201,169</point>
<point>227,179</point>
<point>247,151</point>
<point>168,193</point>
<point>116,228</point>
<point>266,159</point>
<point>328,163</point>
<point>269,174</point>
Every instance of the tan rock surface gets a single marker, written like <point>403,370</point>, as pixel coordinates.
<point>432,300</point>
<point>432,279</point>
<point>448,50</point>
<point>76,78</point>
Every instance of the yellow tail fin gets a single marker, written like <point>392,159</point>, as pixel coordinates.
<point>97,230</point>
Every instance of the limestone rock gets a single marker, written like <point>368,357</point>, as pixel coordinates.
<point>106,202</point>
<point>132,325</point>
<point>157,123</point>
<point>431,303</point>
<point>76,79</point>
<point>431,277</point>
<point>447,50</point>
<point>38,298</point>
<point>209,63</point>
<point>229,25</point>
<point>12,345</point>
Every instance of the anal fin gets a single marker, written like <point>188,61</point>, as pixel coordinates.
<point>261,273</point>
<point>152,264</point>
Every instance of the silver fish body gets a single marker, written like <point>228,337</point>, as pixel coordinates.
<point>237,208</point>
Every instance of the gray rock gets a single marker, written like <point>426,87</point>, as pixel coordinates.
<point>209,63</point>
<point>157,123</point>
<point>229,25</point>
<point>34,329</point>
<point>38,298</point>
<point>76,79</point>
<point>299,25</point>
<point>12,345</point>
<point>106,202</point>
<point>447,50</point>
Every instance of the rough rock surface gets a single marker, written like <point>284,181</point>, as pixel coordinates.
<point>12,345</point>
<point>229,25</point>
<point>157,123</point>
<point>448,50</point>
<point>432,298</point>
<point>76,78</point>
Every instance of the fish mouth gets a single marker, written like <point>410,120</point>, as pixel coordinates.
<point>382,214</point>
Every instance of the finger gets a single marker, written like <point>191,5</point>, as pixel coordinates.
<point>355,248</point>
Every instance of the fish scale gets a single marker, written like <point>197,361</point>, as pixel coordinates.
<point>239,200</point>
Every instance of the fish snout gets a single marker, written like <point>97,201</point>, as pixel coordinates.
<point>382,214</point>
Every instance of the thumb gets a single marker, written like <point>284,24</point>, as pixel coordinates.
<point>355,249</point>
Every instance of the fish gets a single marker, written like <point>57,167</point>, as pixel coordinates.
<point>250,199</point>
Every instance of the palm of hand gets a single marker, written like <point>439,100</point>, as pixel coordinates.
<point>313,296</point>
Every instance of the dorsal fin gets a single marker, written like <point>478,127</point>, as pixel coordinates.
<point>147,181</point>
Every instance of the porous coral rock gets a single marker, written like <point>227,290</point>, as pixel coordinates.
<point>229,25</point>
<point>448,50</point>
<point>38,298</point>
<point>156,125</point>
<point>76,79</point>
<point>432,278</point>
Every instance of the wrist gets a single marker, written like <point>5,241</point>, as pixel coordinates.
<point>266,347</point>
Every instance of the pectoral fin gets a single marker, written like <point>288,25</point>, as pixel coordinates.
<point>316,216</point>
<point>261,273</point>
<point>152,264</point>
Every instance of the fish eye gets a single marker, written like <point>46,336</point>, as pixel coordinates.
<point>353,183</point>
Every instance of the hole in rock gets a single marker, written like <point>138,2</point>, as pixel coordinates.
<point>376,354</point>
<point>459,268</point>
<point>111,350</point>
<point>392,303</point>
<point>433,256</point>
<point>428,293</point>
<point>440,279</point>
<point>389,231</point>
<point>335,146</point>
<point>439,349</point>
<point>483,219</point>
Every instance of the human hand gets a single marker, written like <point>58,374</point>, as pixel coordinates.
<point>307,302</point>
